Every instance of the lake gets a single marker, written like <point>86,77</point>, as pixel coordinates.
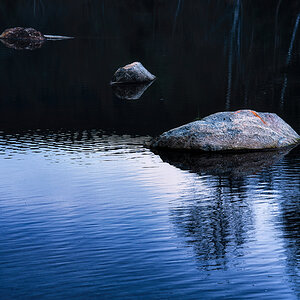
<point>87,211</point>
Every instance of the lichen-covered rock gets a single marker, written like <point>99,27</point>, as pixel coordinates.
<point>132,73</point>
<point>20,33</point>
<point>230,131</point>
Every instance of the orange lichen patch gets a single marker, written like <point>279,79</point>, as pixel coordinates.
<point>130,65</point>
<point>255,114</point>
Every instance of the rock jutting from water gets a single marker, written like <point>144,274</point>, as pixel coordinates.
<point>230,131</point>
<point>132,73</point>
<point>20,38</point>
<point>20,33</point>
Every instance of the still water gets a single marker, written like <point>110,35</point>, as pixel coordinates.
<point>87,211</point>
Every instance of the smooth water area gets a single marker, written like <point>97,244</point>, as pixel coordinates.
<point>87,211</point>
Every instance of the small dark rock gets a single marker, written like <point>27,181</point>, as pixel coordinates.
<point>20,33</point>
<point>20,38</point>
<point>132,73</point>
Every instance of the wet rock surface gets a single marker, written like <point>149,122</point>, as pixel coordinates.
<point>132,73</point>
<point>230,131</point>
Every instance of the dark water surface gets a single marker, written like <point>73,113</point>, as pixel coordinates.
<point>86,211</point>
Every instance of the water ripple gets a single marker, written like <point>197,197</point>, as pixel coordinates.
<point>87,214</point>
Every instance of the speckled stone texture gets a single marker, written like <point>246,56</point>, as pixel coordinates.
<point>132,73</point>
<point>230,131</point>
<point>22,44</point>
<point>20,33</point>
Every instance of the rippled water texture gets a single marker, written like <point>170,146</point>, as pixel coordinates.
<point>88,211</point>
<point>86,214</point>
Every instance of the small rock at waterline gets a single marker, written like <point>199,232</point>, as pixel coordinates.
<point>20,33</point>
<point>132,73</point>
<point>230,131</point>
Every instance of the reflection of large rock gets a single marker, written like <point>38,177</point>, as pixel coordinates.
<point>132,73</point>
<point>130,91</point>
<point>240,130</point>
<point>223,164</point>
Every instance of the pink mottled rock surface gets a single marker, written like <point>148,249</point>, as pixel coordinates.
<point>20,38</point>
<point>20,33</point>
<point>226,131</point>
<point>132,73</point>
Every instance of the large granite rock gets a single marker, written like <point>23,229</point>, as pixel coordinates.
<point>230,131</point>
<point>132,73</point>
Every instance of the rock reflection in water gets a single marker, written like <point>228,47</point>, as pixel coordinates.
<point>220,222</point>
<point>20,44</point>
<point>216,227</point>
<point>223,164</point>
<point>130,91</point>
<point>289,218</point>
<point>291,228</point>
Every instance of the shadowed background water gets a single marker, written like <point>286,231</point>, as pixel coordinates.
<point>86,211</point>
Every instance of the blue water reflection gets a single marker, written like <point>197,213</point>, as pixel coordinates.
<point>86,211</point>
<point>84,214</point>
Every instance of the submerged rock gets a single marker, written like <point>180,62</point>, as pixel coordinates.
<point>20,33</point>
<point>132,73</point>
<point>235,165</point>
<point>130,91</point>
<point>230,131</point>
